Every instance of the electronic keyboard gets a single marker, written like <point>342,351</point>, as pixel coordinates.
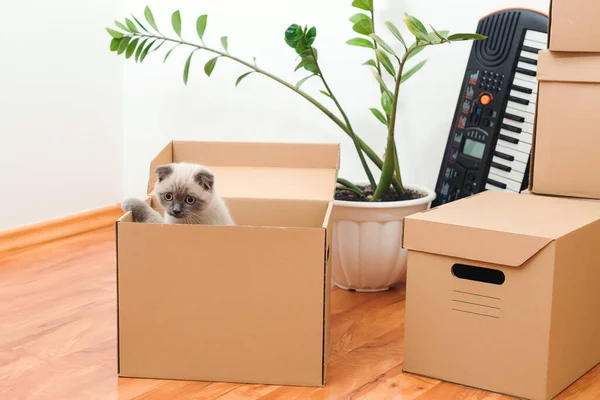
<point>492,131</point>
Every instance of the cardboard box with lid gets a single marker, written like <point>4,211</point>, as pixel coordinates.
<point>246,303</point>
<point>565,159</point>
<point>573,26</point>
<point>503,292</point>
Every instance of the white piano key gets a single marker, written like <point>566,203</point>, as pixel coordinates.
<point>522,137</point>
<point>531,97</point>
<point>528,84</point>
<point>496,188</point>
<point>526,127</point>
<point>515,165</point>
<point>522,146</point>
<point>529,108</point>
<point>530,67</point>
<point>528,116</point>
<point>526,78</point>
<point>519,156</point>
<point>513,175</point>
<point>540,37</point>
<point>510,184</point>
<point>535,44</point>
<point>528,54</point>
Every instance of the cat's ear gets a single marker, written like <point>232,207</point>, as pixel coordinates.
<point>205,179</point>
<point>163,171</point>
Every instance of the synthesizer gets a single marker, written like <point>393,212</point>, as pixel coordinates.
<point>491,136</point>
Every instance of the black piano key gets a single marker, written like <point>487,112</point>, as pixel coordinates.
<point>504,156</point>
<point>501,167</point>
<point>518,100</point>
<point>530,49</point>
<point>511,128</point>
<point>527,60</point>
<point>496,183</point>
<point>508,139</point>
<point>522,89</point>
<point>526,71</point>
<point>514,117</point>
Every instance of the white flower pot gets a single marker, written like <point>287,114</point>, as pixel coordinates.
<point>367,255</point>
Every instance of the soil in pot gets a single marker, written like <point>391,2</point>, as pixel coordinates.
<point>391,195</point>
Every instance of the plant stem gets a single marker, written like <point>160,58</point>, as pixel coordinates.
<point>347,120</point>
<point>350,186</point>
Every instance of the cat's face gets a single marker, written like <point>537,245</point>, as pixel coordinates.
<point>184,190</point>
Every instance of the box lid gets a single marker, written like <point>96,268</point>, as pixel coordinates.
<point>260,170</point>
<point>497,227</point>
<point>568,67</point>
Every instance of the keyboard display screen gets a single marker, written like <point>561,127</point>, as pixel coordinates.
<point>474,149</point>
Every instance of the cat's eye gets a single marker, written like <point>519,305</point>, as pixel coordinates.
<point>190,200</point>
<point>168,196</point>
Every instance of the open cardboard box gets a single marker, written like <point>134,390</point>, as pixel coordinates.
<point>565,157</point>
<point>246,303</point>
<point>503,292</point>
<point>573,25</point>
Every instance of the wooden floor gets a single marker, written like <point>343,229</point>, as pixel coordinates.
<point>58,339</point>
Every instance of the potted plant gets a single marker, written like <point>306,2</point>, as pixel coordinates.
<point>368,216</point>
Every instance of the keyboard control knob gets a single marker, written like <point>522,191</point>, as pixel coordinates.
<point>485,122</point>
<point>485,99</point>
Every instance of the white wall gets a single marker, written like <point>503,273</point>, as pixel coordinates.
<point>60,109</point>
<point>158,107</point>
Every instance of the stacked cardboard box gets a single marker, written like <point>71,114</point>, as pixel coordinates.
<point>503,289</point>
<point>566,154</point>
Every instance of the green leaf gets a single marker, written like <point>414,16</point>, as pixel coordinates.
<point>301,46</point>
<point>363,27</point>
<point>176,22</point>
<point>386,103</point>
<point>139,23</point>
<point>224,42</point>
<point>305,61</point>
<point>311,35</point>
<point>383,45</point>
<point>115,34</point>
<point>146,50</point>
<point>239,79</point>
<point>293,34</point>
<point>378,115</point>
<point>131,26</point>
<point>395,32</point>
<point>415,52</point>
<point>150,18</point>
<point>201,25</point>
<point>114,44</point>
<point>131,48</point>
<point>434,38</point>
<point>363,4</point>
<point>159,46</point>
<point>139,50</point>
<point>380,80</point>
<point>169,52</point>
<point>121,26</point>
<point>441,35</point>
<point>123,45</point>
<point>210,65</point>
<point>412,71</point>
<point>325,93</point>
<point>466,36</point>
<point>301,81</point>
<point>360,42</point>
<point>372,63</point>
<point>416,27</point>
<point>358,17</point>
<point>386,62</point>
<point>186,69</point>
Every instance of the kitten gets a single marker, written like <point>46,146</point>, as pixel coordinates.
<point>186,192</point>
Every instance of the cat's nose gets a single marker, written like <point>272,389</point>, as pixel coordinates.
<point>176,212</point>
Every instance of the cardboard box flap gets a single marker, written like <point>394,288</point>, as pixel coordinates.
<point>497,227</point>
<point>260,170</point>
<point>568,67</point>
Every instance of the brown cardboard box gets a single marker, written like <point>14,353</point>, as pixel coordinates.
<point>503,292</point>
<point>573,25</point>
<point>566,152</point>
<point>246,303</point>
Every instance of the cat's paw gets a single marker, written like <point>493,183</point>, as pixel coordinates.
<point>131,204</point>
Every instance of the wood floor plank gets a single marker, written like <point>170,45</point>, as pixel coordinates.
<point>58,339</point>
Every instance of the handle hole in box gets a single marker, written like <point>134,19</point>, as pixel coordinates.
<point>478,274</point>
